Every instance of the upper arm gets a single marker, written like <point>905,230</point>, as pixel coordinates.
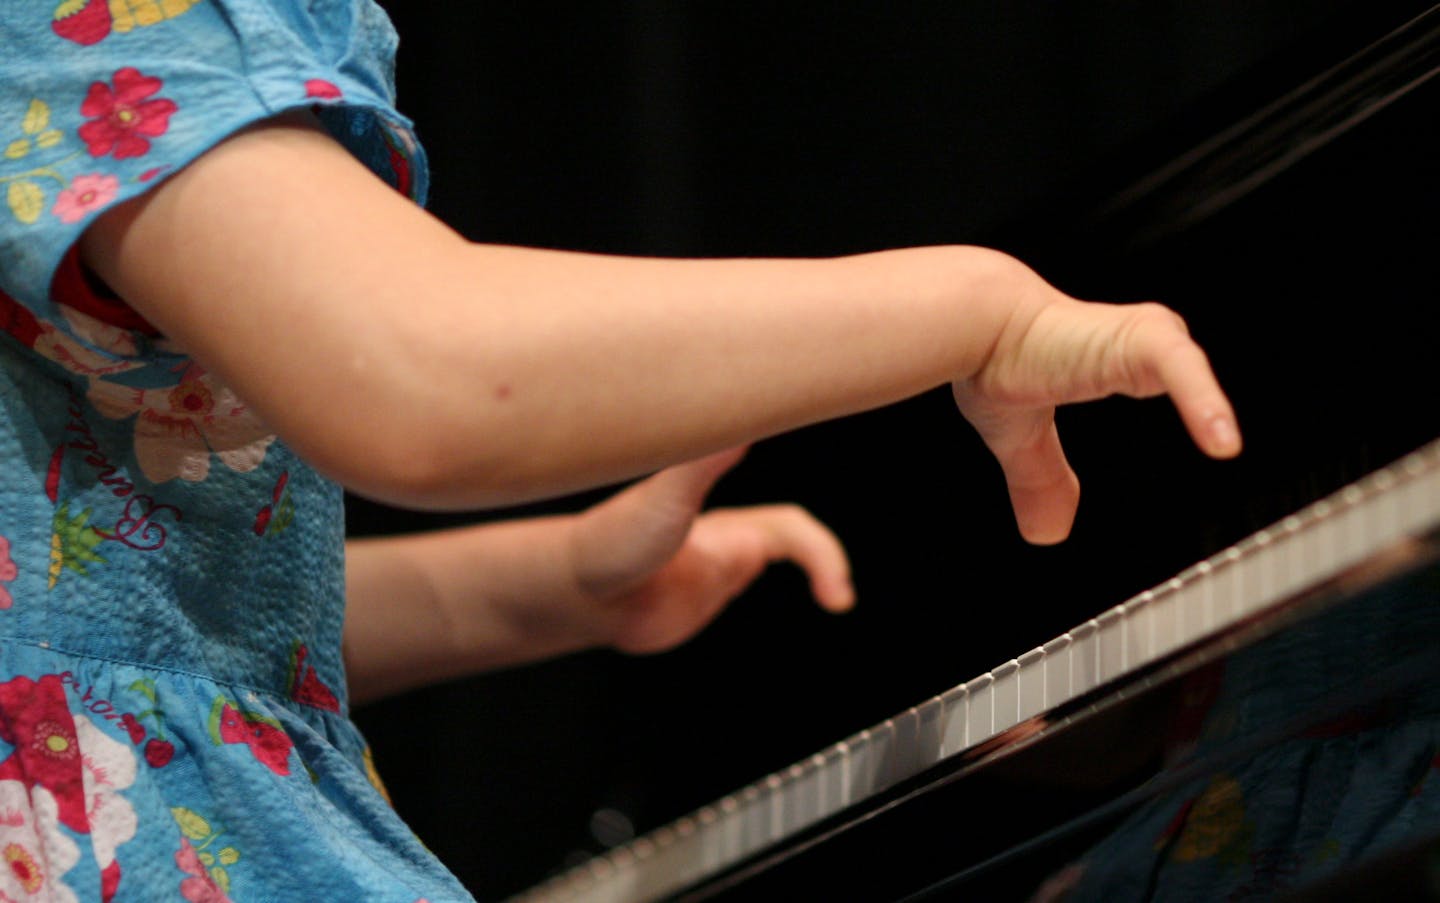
<point>284,266</point>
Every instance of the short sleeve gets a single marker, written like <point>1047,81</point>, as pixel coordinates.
<point>101,100</point>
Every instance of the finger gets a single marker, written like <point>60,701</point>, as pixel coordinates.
<point>1196,393</point>
<point>1170,361</point>
<point>624,539</point>
<point>1044,491</point>
<point>790,533</point>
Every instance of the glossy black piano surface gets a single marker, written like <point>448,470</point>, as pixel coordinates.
<point>1316,293</point>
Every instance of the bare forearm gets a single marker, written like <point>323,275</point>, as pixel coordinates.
<point>631,364</point>
<point>435,606</point>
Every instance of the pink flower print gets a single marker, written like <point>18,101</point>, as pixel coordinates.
<point>122,118</point>
<point>178,428</point>
<point>85,195</point>
<point>199,887</point>
<point>320,89</point>
<point>8,572</point>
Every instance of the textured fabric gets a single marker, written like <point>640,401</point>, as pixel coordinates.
<point>173,721</point>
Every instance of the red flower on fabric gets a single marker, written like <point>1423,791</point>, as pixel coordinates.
<point>123,117</point>
<point>35,719</point>
<point>268,743</point>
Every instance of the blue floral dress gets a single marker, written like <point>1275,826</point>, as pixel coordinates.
<point>173,717</point>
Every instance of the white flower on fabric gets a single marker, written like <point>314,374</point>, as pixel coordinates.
<point>107,767</point>
<point>105,336</point>
<point>74,356</point>
<point>179,427</point>
<point>35,853</point>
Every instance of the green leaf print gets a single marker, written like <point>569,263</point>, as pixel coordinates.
<point>72,543</point>
<point>192,824</point>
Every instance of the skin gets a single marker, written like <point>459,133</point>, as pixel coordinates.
<point>443,374</point>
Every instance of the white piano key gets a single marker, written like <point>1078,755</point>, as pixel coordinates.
<point>776,805</point>
<point>804,807</point>
<point>732,829</point>
<point>1189,607</point>
<point>1205,584</point>
<point>904,758</point>
<point>619,885</point>
<point>687,859</point>
<point>1264,565</point>
<point>837,781</point>
<point>1165,619</point>
<point>1409,508</point>
<point>1291,576</point>
<point>712,839</point>
<point>663,867</point>
<point>1248,578</point>
<point>1384,510</point>
<point>825,804</point>
<point>882,756</point>
<point>1226,586</point>
<point>1057,670</point>
<point>1031,684</point>
<point>982,709</point>
<point>1111,641</point>
<point>861,766</point>
<point>1353,528</point>
<point>929,733</point>
<point>833,786</point>
<point>956,720</point>
<point>754,819</point>
<point>1138,628</point>
<point>1084,658</point>
<point>1330,538</point>
<point>1005,695</point>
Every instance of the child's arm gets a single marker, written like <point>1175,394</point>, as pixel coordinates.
<point>418,368</point>
<point>641,572</point>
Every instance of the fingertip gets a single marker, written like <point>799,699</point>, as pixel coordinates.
<point>836,596</point>
<point>1222,436</point>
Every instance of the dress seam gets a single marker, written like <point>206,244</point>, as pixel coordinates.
<point>281,699</point>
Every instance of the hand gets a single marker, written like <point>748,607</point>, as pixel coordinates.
<point>658,570</point>
<point>1056,350</point>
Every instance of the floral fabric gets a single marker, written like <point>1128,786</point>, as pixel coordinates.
<point>173,718</point>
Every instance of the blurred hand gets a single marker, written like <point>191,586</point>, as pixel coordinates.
<point>658,570</point>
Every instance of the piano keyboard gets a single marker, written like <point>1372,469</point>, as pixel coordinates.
<point>1301,552</point>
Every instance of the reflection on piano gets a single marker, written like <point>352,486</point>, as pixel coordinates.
<point>1310,561</point>
<point>968,754</point>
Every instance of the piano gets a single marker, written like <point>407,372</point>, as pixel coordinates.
<point>939,801</point>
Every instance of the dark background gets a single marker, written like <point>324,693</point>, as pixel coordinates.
<point>710,129</point>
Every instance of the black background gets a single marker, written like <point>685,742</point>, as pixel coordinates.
<point>712,129</point>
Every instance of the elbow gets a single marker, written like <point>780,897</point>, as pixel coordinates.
<point>412,461</point>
